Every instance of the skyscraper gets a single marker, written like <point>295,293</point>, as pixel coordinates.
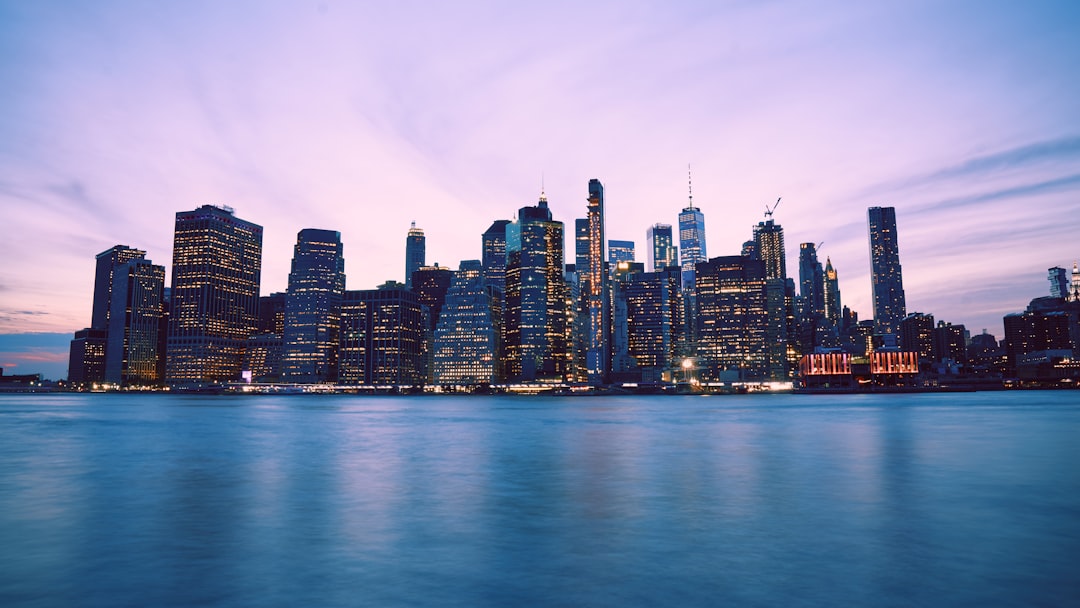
<point>313,308</point>
<point>733,321</point>
<point>662,250</point>
<point>535,326</point>
<point>620,251</point>
<point>382,337</point>
<point>1059,282</point>
<point>654,314</point>
<point>598,289</point>
<point>467,340</point>
<point>769,248</point>
<point>86,359</point>
<point>131,352</point>
<point>493,245</point>
<point>415,252</point>
<point>217,260</point>
<point>885,276</point>
<point>811,281</point>
<point>691,240</point>
<point>834,310</point>
<point>107,261</point>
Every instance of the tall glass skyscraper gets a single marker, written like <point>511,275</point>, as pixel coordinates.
<point>620,251</point>
<point>662,250</point>
<point>598,289</point>
<point>885,277</point>
<point>769,248</point>
<point>313,308</point>
<point>535,326</point>
<point>415,252</point>
<point>691,241</point>
<point>217,261</point>
<point>493,246</point>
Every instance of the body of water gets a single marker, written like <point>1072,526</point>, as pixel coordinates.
<point>774,500</point>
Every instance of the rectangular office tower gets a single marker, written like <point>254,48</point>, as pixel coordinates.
<point>662,250</point>
<point>739,321</point>
<point>131,351</point>
<point>598,290</point>
<point>885,278</point>
<point>382,338</point>
<point>313,308</point>
<point>217,260</point>
<point>535,315</point>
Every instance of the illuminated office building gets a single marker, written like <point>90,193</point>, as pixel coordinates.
<point>86,358</point>
<point>131,352</point>
<point>313,308</point>
<point>834,310</point>
<point>107,261</point>
<point>886,280</point>
<point>467,337</point>
<point>535,326</point>
<point>662,249</point>
<point>654,312</point>
<point>217,259</point>
<point>493,244</point>
<point>691,241</point>
<point>735,311</point>
<point>415,252</point>
<point>382,338</point>
<point>620,251</point>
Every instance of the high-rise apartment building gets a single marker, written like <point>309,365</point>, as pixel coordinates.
<point>535,326</point>
<point>467,337</point>
<point>834,310</point>
<point>885,276</point>
<point>493,246</point>
<point>916,333</point>
<point>415,252</point>
<point>662,249</point>
<point>217,260</point>
<point>769,248</point>
<point>597,286</point>
<point>313,308</point>
<point>132,355</point>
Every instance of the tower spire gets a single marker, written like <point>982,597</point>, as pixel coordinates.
<point>690,185</point>
<point>543,197</point>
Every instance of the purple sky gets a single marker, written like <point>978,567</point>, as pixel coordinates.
<point>965,116</point>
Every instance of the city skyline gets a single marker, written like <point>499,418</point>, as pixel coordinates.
<point>122,115</point>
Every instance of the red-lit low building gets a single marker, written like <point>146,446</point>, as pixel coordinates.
<point>840,370</point>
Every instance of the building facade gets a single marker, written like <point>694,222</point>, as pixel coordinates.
<point>493,247</point>
<point>382,338</point>
<point>217,261</point>
<point>535,331</point>
<point>313,308</point>
<point>415,252</point>
<point>468,334</point>
<point>886,279</point>
<point>662,250</point>
<point>132,356</point>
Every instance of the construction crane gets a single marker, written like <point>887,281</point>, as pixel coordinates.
<point>769,211</point>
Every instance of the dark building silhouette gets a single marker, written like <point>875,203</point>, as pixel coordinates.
<point>313,308</point>
<point>885,274</point>
<point>107,261</point>
<point>86,360</point>
<point>916,334</point>
<point>950,343</point>
<point>217,261</point>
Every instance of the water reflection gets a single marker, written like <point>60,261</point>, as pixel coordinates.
<point>167,500</point>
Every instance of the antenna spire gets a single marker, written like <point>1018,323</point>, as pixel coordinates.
<point>690,184</point>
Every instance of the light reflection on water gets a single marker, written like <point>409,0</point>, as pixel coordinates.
<point>338,500</point>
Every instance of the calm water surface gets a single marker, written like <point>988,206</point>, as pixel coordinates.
<point>779,500</point>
